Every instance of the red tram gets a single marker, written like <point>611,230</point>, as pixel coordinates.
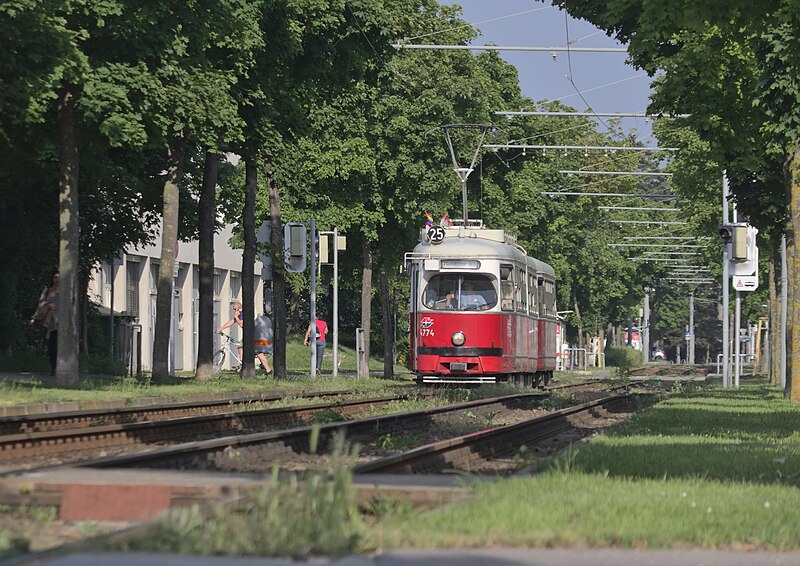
<point>481,309</point>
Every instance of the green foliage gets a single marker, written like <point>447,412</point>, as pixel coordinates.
<point>623,358</point>
<point>398,443</point>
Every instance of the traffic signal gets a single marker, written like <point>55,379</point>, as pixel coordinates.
<point>743,252</point>
<point>294,245</point>
<point>725,233</point>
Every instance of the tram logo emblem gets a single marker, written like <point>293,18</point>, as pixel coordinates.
<point>426,322</point>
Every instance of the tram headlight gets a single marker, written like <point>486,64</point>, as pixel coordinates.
<point>458,338</point>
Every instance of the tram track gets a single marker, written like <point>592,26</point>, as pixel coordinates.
<point>72,444</point>
<point>500,449</point>
<point>68,420</point>
<point>70,436</point>
<point>258,452</point>
<point>234,466</point>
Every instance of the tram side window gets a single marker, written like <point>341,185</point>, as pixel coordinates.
<point>540,293</point>
<point>507,287</point>
<point>532,295</point>
<point>550,299</point>
<point>521,295</point>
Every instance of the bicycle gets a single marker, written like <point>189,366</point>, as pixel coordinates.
<point>221,354</point>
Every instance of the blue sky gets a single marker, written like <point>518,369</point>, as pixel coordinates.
<point>607,83</point>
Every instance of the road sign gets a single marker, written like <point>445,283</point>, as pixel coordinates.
<point>745,282</point>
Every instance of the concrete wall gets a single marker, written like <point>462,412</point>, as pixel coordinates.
<point>134,295</point>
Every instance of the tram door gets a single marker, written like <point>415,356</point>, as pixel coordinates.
<point>413,309</point>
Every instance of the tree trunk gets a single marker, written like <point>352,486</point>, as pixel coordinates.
<point>248,261</point>
<point>774,313</point>
<point>67,366</point>
<point>169,240</point>
<point>366,297</point>
<point>295,324</point>
<point>578,321</point>
<point>278,284</point>
<point>793,314</point>
<point>388,336</point>
<point>207,221</point>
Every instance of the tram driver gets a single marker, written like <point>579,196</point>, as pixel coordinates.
<point>470,299</point>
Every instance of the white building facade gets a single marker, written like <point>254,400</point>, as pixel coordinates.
<point>128,288</point>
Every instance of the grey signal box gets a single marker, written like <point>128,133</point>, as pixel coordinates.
<point>294,242</point>
<point>739,243</point>
<point>323,249</point>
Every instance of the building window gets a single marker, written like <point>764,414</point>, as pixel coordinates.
<point>132,287</point>
<point>236,286</point>
<point>217,284</point>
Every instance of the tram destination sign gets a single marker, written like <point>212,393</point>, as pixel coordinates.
<point>461,264</point>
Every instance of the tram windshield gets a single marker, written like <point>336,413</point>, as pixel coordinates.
<point>457,291</point>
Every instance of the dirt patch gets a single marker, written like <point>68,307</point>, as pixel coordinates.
<point>32,529</point>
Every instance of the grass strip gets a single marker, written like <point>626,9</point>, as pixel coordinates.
<point>706,468</point>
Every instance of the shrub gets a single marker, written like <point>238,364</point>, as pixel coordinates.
<point>623,358</point>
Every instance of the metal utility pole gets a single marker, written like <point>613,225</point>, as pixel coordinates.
<point>784,306</point>
<point>646,325</point>
<point>737,328</point>
<point>691,327</point>
<point>737,325</point>
<point>726,352</point>
<point>313,302</point>
<point>335,302</point>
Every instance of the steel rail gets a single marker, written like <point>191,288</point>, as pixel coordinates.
<point>226,453</point>
<point>65,420</point>
<point>18,447</point>
<point>498,442</point>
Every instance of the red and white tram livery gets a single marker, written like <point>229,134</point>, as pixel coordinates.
<point>481,309</point>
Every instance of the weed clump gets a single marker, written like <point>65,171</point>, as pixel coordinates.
<point>296,516</point>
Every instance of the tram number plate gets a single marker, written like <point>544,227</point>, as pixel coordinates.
<point>458,366</point>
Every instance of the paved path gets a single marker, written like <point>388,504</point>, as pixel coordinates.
<point>482,557</point>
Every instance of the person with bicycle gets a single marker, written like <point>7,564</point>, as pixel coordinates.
<point>237,319</point>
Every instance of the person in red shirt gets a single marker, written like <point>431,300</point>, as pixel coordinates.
<point>319,338</point>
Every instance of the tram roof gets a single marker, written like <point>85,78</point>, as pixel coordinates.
<point>476,245</point>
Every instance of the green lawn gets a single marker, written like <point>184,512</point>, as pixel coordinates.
<point>712,469</point>
<point>128,389</point>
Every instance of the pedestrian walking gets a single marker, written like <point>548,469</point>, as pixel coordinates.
<point>320,329</point>
<point>262,335</point>
<point>46,318</point>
